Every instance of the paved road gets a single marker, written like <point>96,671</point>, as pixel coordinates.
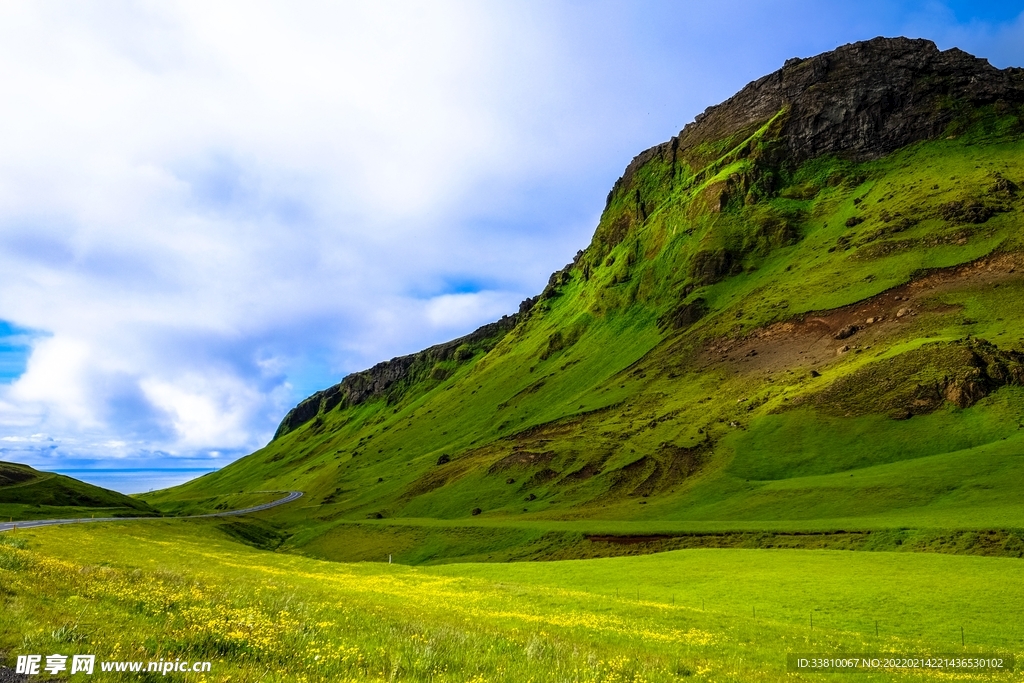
<point>28,524</point>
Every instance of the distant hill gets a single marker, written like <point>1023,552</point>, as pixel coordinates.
<point>26,493</point>
<point>804,311</point>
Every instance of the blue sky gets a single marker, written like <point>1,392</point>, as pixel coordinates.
<point>210,210</point>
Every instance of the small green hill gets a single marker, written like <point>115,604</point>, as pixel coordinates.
<point>26,493</point>
<point>805,312</point>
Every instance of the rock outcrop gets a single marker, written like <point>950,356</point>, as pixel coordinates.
<point>860,101</point>
<point>386,376</point>
<point>919,381</point>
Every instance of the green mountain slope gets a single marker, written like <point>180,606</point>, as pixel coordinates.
<point>26,493</point>
<point>805,311</point>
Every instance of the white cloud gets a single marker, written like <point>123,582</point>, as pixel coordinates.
<point>459,311</point>
<point>195,196</point>
<point>204,410</point>
<point>57,375</point>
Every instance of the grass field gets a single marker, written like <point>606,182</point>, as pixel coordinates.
<point>165,589</point>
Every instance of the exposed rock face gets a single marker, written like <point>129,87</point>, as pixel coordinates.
<point>919,381</point>
<point>382,377</point>
<point>987,369</point>
<point>846,332</point>
<point>708,267</point>
<point>860,101</point>
<point>684,315</point>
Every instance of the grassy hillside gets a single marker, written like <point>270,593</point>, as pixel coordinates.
<point>753,339</point>
<point>186,592</point>
<point>26,493</point>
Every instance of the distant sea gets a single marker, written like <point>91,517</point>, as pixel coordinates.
<point>136,480</point>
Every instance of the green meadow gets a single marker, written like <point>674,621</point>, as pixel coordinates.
<point>166,589</point>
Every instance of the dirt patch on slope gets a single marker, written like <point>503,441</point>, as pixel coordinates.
<point>817,338</point>
<point>520,459</point>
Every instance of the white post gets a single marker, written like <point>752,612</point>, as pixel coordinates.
<point>389,558</point>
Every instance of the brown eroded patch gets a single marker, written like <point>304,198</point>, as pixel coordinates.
<point>816,338</point>
<point>520,459</point>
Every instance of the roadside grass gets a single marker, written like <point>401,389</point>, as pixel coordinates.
<point>25,511</point>
<point>165,589</point>
<point>219,503</point>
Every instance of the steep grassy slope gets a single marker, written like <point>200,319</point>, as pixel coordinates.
<point>779,322</point>
<point>26,493</point>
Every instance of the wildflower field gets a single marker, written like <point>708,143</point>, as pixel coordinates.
<point>172,589</point>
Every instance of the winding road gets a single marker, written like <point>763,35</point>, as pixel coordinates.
<point>28,524</point>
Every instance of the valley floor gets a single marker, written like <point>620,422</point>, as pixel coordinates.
<point>173,589</point>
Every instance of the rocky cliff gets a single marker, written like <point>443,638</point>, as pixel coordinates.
<point>860,101</point>
<point>395,374</point>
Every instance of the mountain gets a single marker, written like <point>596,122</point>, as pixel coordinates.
<point>26,493</point>
<point>804,312</point>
